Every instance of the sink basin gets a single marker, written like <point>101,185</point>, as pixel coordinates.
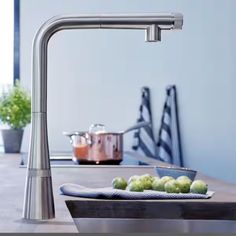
<point>106,216</point>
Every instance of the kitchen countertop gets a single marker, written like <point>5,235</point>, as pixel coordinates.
<point>12,179</point>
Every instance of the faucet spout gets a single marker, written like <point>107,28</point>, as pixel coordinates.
<point>153,34</point>
<point>38,199</point>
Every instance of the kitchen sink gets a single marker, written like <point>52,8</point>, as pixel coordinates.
<point>122,216</point>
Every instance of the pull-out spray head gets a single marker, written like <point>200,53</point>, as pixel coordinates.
<point>153,34</point>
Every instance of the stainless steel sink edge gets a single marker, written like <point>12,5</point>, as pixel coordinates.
<point>117,225</point>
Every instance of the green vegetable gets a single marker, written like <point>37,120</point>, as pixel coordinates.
<point>135,186</point>
<point>184,186</point>
<point>185,178</point>
<point>158,185</point>
<point>172,186</point>
<point>165,179</point>
<point>119,183</point>
<point>133,178</point>
<point>199,186</point>
<point>146,181</point>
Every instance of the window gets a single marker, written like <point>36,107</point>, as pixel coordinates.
<point>6,42</point>
<point>9,45</point>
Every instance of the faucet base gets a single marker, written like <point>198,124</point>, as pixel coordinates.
<point>38,203</point>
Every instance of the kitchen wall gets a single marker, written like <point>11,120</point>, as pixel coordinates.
<point>96,76</point>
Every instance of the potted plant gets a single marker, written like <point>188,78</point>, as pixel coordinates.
<point>15,111</point>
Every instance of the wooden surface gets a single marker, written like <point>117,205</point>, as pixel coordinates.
<point>12,180</point>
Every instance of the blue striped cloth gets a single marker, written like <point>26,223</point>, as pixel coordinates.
<point>76,190</point>
<point>169,145</point>
<point>144,142</point>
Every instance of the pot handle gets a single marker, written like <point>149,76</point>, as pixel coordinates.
<point>97,128</point>
<point>137,126</point>
<point>68,134</point>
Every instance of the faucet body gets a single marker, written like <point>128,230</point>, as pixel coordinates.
<point>38,200</point>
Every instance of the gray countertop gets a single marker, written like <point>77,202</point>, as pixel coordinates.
<point>12,179</point>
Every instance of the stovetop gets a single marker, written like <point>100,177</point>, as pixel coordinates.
<point>66,159</point>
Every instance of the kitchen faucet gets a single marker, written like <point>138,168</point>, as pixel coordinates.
<point>38,199</point>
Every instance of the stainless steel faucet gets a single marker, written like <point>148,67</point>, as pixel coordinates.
<point>38,200</point>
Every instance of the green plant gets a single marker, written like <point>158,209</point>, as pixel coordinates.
<point>15,107</point>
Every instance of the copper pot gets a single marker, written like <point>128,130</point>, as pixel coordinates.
<point>98,146</point>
